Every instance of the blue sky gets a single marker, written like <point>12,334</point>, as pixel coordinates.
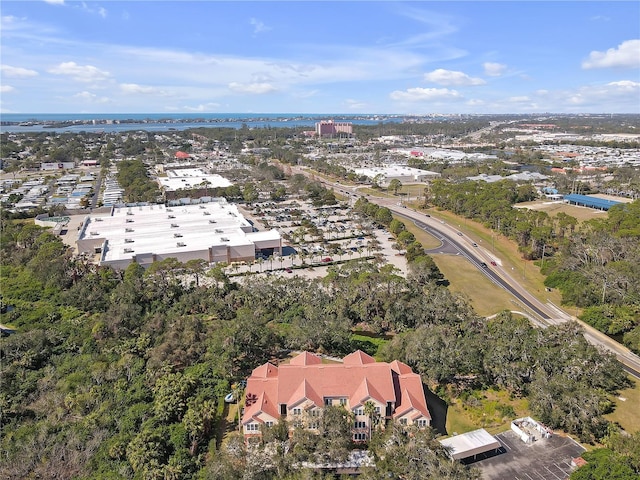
<point>414,57</point>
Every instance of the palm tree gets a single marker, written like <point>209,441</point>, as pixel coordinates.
<point>370,411</point>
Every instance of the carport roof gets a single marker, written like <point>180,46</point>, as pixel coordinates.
<point>470,443</point>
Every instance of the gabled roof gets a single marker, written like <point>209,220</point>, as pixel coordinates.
<point>400,368</point>
<point>358,379</point>
<point>263,404</point>
<point>306,358</point>
<point>411,398</point>
<point>305,391</point>
<point>265,371</point>
<point>358,358</point>
<point>364,392</point>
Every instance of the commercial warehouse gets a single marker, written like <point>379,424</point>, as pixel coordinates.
<point>214,231</point>
<point>589,201</point>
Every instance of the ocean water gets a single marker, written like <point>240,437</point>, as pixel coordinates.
<point>94,122</point>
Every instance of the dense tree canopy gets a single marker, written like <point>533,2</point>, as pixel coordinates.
<point>119,374</point>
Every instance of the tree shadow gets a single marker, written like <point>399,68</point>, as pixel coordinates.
<point>227,423</point>
<point>438,409</point>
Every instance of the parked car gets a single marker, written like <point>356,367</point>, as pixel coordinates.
<point>474,244</point>
<point>288,270</point>
<point>484,265</point>
<point>494,263</point>
<point>459,234</point>
<point>327,259</point>
<point>230,398</point>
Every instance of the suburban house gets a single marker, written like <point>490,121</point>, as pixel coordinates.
<point>300,389</point>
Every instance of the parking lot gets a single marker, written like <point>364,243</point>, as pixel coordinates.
<point>545,459</point>
<point>318,236</point>
<point>332,235</point>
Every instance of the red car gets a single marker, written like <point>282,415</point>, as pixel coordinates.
<point>327,259</point>
<point>494,263</point>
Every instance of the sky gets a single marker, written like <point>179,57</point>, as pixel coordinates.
<point>387,57</point>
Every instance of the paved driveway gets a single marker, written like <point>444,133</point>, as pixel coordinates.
<point>545,459</point>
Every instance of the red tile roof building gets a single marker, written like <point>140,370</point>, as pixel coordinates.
<point>300,389</point>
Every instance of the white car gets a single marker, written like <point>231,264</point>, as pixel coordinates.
<point>230,398</point>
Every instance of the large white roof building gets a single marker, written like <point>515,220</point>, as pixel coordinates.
<point>403,173</point>
<point>213,231</point>
<point>190,178</point>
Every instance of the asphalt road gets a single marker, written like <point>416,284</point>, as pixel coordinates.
<point>541,314</point>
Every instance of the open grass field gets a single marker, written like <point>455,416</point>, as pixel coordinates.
<point>505,250</point>
<point>627,412</point>
<point>553,208</point>
<point>485,296</point>
<point>423,237</point>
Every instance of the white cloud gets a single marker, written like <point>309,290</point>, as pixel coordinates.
<point>424,94</point>
<point>519,99</point>
<point>90,97</point>
<point>352,104</point>
<point>258,26</point>
<point>305,94</point>
<point>451,77</point>
<point>435,25</point>
<point>80,73</point>
<point>54,2</point>
<point>620,96</point>
<point>626,55</point>
<point>493,69</point>
<point>475,102</point>
<point>623,89</point>
<point>93,11</point>
<point>6,88</point>
<point>252,88</point>
<point>135,89</point>
<point>203,107</point>
<point>17,72</point>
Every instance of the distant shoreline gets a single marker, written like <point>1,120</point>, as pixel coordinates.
<point>17,123</point>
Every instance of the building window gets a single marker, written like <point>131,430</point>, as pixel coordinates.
<point>343,401</point>
<point>269,424</point>
<point>377,410</point>
<point>327,401</point>
<point>403,421</point>
<point>359,411</point>
<point>314,412</point>
<point>360,425</point>
<point>253,427</point>
<point>422,422</point>
<point>359,436</point>
<point>314,425</point>
<point>297,411</point>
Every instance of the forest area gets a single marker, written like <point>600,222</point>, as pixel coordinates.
<point>121,374</point>
<point>595,264</point>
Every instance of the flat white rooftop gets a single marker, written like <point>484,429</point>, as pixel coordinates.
<point>190,178</point>
<point>470,443</point>
<point>395,171</point>
<point>164,230</point>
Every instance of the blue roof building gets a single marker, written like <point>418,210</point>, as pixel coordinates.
<point>591,202</point>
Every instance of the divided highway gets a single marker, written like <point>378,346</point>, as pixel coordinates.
<point>541,314</point>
